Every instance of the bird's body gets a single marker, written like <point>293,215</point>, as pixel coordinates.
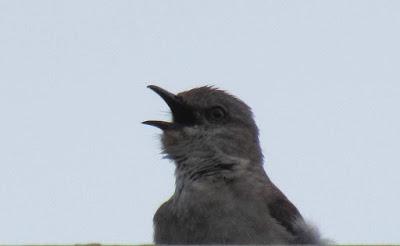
<point>210,211</point>
<point>222,193</point>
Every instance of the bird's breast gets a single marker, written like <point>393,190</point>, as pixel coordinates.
<point>224,209</point>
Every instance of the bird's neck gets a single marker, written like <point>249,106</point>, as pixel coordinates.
<point>216,169</point>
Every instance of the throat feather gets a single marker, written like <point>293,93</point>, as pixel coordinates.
<point>210,170</point>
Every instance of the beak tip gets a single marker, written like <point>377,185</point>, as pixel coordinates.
<point>152,87</point>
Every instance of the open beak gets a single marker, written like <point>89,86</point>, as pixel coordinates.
<point>182,114</point>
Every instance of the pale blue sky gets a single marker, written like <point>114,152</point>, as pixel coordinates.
<point>76,165</point>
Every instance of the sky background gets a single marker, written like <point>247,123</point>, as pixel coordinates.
<point>76,164</point>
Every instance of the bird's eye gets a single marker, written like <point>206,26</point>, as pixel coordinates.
<point>216,113</point>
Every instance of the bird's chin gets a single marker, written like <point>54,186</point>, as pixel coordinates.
<point>174,143</point>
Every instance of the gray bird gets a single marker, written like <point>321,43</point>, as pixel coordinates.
<point>222,193</point>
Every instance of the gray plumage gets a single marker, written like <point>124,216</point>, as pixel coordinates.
<point>222,193</point>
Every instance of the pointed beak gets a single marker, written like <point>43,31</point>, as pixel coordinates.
<point>182,114</point>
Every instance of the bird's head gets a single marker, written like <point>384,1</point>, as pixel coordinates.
<point>207,123</point>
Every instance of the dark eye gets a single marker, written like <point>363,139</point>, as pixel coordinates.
<point>216,113</point>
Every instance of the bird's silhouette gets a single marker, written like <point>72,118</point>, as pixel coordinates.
<point>222,193</point>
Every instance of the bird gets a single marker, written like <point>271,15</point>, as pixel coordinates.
<point>222,192</point>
